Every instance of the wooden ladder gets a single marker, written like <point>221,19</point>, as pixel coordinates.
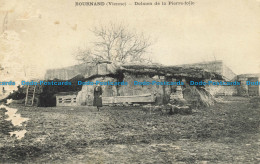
<point>30,95</point>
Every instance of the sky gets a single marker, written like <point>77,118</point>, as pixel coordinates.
<point>49,31</point>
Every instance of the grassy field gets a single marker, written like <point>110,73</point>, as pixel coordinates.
<point>225,133</point>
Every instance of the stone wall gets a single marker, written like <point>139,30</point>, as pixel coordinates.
<point>218,90</point>
<point>86,70</point>
<point>85,96</point>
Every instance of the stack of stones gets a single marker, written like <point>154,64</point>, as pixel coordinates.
<point>177,104</point>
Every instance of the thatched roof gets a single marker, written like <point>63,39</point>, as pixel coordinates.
<point>171,71</point>
<point>248,75</point>
<point>107,68</point>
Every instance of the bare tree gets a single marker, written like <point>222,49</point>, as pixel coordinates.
<point>117,44</point>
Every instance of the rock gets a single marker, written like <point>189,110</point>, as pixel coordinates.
<point>125,104</point>
<point>120,105</point>
<point>182,110</point>
<point>9,101</point>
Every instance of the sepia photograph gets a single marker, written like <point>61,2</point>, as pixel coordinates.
<point>125,81</point>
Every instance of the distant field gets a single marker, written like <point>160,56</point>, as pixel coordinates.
<point>225,133</point>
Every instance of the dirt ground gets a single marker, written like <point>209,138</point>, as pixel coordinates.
<point>225,133</point>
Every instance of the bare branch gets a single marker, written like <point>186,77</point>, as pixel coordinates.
<point>116,43</point>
